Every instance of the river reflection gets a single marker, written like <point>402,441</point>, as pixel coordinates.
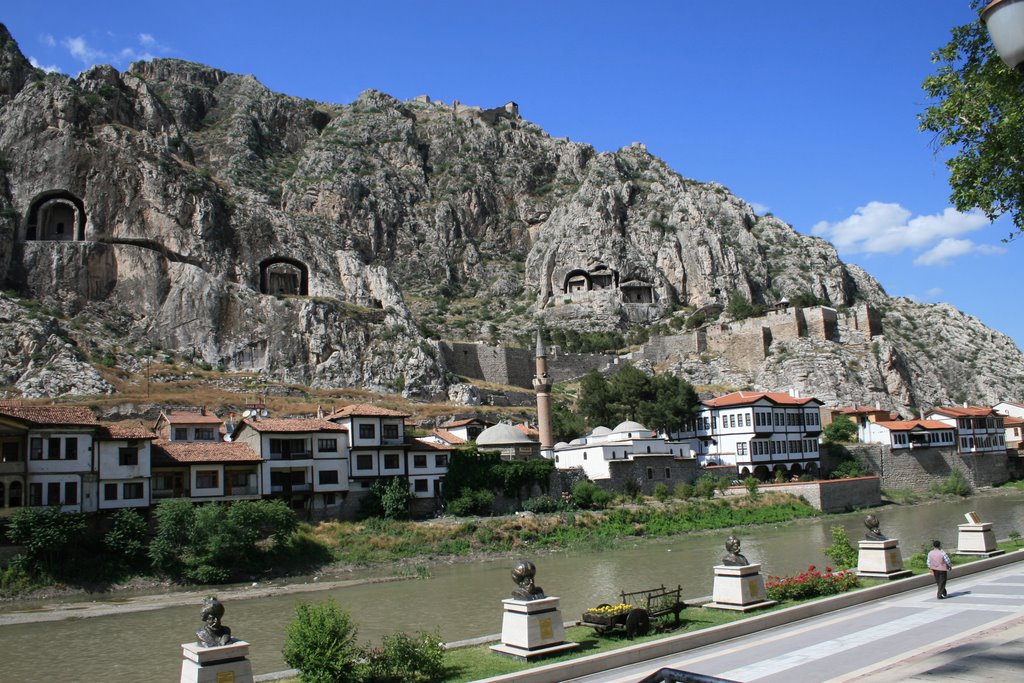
<point>463,600</point>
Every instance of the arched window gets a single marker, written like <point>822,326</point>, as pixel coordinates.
<point>3,498</point>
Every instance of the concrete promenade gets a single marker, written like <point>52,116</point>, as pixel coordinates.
<point>977,634</point>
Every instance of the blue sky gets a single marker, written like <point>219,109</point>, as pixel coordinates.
<point>805,109</point>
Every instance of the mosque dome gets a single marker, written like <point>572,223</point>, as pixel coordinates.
<point>502,435</point>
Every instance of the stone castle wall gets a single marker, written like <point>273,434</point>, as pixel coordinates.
<point>514,366</point>
<point>918,469</point>
<point>833,495</point>
<point>622,471</point>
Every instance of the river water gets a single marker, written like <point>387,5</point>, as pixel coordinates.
<point>463,600</point>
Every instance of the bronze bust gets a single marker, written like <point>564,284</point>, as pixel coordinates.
<point>523,574</point>
<point>873,533</point>
<point>733,558</point>
<point>213,633</point>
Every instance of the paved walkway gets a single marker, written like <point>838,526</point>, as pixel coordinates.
<point>977,634</point>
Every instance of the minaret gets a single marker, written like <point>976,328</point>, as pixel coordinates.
<point>542,385</point>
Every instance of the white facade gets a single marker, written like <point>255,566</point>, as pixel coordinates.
<point>1009,409</point>
<point>125,468</point>
<point>758,432</point>
<point>595,452</point>
<point>978,429</point>
<point>907,434</point>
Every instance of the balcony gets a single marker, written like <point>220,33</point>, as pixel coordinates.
<point>292,455</point>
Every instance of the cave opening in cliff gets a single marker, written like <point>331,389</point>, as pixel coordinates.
<point>56,215</point>
<point>577,281</point>
<point>637,292</point>
<point>284,276</point>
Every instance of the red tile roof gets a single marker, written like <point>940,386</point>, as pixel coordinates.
<point>468,421</point>
<point>529,431</point>
<point>116,431</point>
<point>432,446</point>
<point>184,452</point>
<point>969,411</point>
<point>445,435</point>
<point>293,425</point>
<point>740,398</point>
<point>907,425</point>
<point>51,415</point>
<point>365,410</point>
<point>180,417</point>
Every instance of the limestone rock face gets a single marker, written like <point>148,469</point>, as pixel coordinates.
<point>179,207</point>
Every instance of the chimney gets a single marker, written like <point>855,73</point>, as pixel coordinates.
<point>878,405</point>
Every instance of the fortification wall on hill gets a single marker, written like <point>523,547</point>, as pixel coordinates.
<point>515,366</point>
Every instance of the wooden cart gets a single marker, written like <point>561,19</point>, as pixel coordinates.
<point>645,605</point>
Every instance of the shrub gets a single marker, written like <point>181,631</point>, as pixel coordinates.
<point>841,552</point>
<point>541,504</point>
<point>956,484</point>
<point>705,486</point>
<point>780,476</point>
<point>395,498</point>
<point>684,490</point>
<point>589,496</point>
<point>810,584</point>
<point>472,502</point>
<point>1014,537</point>
<point>321,643</point>
<point>751,484</point>
<point>402,658</point>
<point>841,430</point>
<point>848,469</point>
<point>661,492</point>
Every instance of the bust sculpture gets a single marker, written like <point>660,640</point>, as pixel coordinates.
<point>733,557</point>
<point>873,533</point>
<point>213,633</point>
<point>523,574</point>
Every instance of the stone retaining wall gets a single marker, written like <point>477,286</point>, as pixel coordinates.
<point>918,469</point>
<point>834,495</point>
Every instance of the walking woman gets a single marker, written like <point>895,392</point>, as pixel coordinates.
<point>939,564</point>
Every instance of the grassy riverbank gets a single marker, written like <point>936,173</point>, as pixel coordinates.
<point>378,541</point>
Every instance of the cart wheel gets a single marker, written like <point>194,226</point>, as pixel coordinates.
<point>602,629</point>
<point>638,623</point>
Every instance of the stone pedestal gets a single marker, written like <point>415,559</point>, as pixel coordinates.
<point>532,628</point>
<point>881,560</point>
<point>977,539</point>
<point>739,588</point>
<point>223,664</point>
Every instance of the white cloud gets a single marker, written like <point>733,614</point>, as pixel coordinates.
<point>146,39</point>
<point>81,51</point>
<point>759,209</point>
<point>948,249</point>
<point>934,292</point>
<point>48,40</point>
<point>52,68</point>
<point>888,228</point>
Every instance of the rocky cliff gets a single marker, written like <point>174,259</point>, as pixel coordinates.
<point>176,208</point>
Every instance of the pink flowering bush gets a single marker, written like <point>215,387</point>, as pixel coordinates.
<point>810,584</point>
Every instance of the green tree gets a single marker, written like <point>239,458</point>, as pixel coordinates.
<point>594,403</point>
<point>976,110</point>
<point>841,430</point>
<point>841,552</point>
<point>46,535</point>
<point>739,308</point>
<point>321,643</point>
<point>565,424</point>
<point>127,538</point>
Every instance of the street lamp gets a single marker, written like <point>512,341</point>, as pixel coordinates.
<point>1004,20</point>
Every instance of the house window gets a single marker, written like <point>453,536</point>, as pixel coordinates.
<point>741,449</point>
<point>181,433</point>
<point>364,461</point>
<point>746,418</point>
<point>14,494</point>
<point>389,431</point>
<point>441,460</point>
<point>207,479</point>
<point>128,457</point>
<point>329,499</point>
<point>367,431</point>
<point>53,449</point>
<point>421,486</point>
<point>133,491</point>
<point>11,452</point>
<point>328,477</point>
<point>53,493</point>
<point>35,494</point>
<point>110,492</point>
<point>668,472</point>
<point>327,445</point>
<point>204,434</point>
<point>650,473</point>
<point>71,493</point>
<point>419,461</point>
<point>391,461</point>
<point>71,448</point>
